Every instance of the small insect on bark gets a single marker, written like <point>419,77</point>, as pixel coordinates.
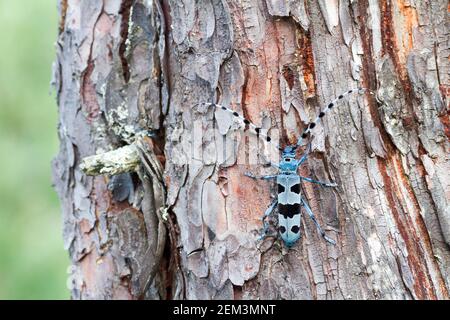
<point>290,201</point>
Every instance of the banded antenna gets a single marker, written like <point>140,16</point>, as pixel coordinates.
<point>258,131</point>
<point>322,113</point>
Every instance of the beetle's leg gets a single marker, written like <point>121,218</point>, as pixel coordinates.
<point>325,184</point>
<point>313,218</point>
<point>251,175</point>
<point>266,214</point>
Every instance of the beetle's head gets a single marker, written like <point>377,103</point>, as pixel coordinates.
<point>288,162</point>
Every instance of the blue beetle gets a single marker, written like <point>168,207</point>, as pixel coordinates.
<point>290,200</point>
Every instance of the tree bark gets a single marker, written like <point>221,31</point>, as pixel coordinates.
<point>129,75</point>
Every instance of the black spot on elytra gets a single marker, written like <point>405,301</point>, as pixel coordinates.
<point>304,135</point>
<point>330,105</point>
<point>321,114</point>
<point>340,97</point>
<point>282,229</point>
<point>350,91</point>
<point>281,188</point>
<point>312,125</point>
<point>295,229</point>
<point>258,130</point>
<point>296,188</point>
<point>246,121</point>
<point>288,210</point>
<point>224,108</point>
<point>268,139</point>
<point>235,114</point>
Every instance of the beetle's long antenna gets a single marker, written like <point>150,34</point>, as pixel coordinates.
<point>322,113</point>
<point>258,131</point>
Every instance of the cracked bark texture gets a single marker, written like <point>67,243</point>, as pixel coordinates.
<point>125,66</point>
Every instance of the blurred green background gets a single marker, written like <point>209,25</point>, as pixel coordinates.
<point>33,263</point>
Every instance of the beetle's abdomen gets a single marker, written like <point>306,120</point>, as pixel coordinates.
<point>289,217</point>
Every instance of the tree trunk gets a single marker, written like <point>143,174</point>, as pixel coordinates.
<point>129,75</point>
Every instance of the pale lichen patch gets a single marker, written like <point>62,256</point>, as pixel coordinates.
<point>125,159</point>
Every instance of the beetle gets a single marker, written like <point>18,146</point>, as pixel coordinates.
<point>290,201</point>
